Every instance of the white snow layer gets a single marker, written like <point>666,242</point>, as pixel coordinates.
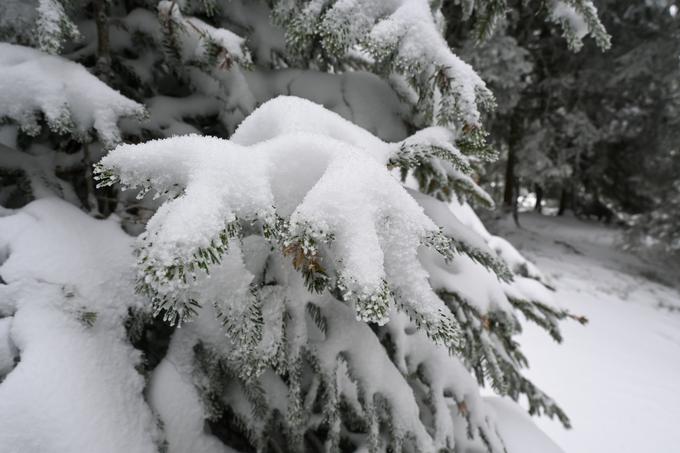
<point>69,287</point>
<point>618,377</point>
<point>7,349</point>
<point>174,396</point>
<point>69,96</point>
<point>517,429</point>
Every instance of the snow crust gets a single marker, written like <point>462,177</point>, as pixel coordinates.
<point>372,368</point>
<point>454,391</point>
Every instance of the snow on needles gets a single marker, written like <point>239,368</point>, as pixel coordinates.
<point>333,197</point>
<point>404,34</point>
<point>200,40</point>
<point>71,99</point>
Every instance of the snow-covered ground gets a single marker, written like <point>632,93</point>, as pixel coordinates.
<point>618,378</point>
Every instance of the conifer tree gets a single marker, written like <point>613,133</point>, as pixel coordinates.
<point>304,281</point>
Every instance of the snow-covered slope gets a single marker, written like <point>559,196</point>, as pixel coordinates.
<point>618,378</point>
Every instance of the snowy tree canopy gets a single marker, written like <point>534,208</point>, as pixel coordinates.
<point>401,40</point>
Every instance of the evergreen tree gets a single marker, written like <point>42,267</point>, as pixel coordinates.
<point>324,303</point>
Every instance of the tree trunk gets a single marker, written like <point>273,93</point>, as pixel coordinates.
<point>91,200</point>
<point>564,201</point>
<point>509,194</point>
<point>101,18</point>
<point>539,198</point>
<point>511,189</point>
<point>515,206</point>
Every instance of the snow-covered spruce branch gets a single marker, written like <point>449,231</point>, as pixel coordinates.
<point>493,357</point>
<point>369,217</point>
<point>293,237</point>
<point>357,235</point>
<point>53,26</point>
<point>71,100</point>
<point>189,40</point>
<point>578,18</point>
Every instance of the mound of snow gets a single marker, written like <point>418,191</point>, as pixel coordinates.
<point>69,287</point>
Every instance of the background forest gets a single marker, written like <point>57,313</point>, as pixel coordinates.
<point>596,132</point>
